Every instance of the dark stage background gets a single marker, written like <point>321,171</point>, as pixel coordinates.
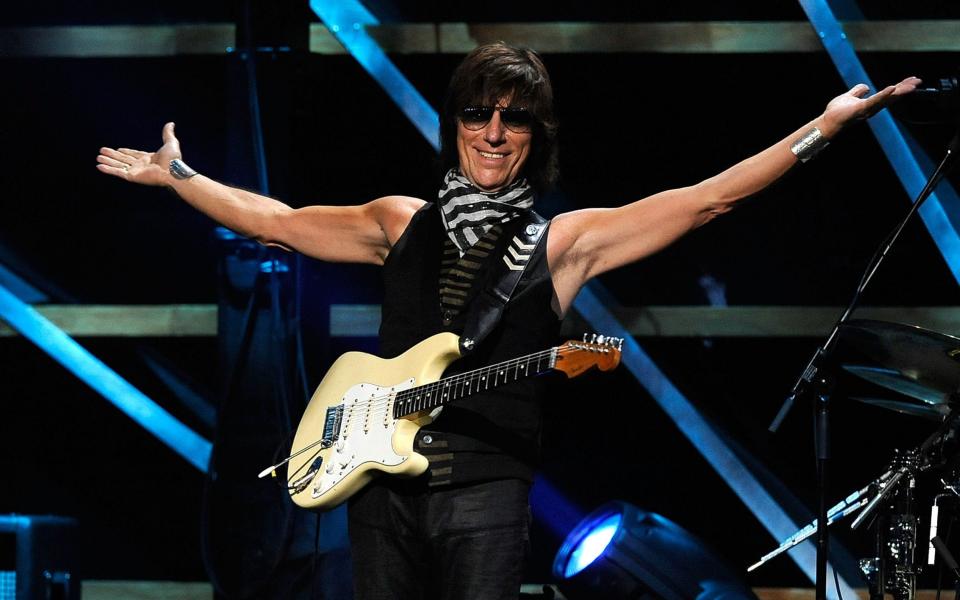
<point>631,125</point>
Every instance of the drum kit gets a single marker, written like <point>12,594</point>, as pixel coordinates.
<point>915,363</point>
<point>923,368</point>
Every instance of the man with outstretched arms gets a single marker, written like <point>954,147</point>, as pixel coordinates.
<point>460,531</point>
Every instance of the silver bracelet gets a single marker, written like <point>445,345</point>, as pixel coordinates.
<point>180,170</point>
<point>809,145</point>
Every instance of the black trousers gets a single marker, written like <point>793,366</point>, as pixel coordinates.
<point>410,542</point>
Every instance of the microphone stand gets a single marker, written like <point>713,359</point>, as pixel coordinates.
<point>815,382</point>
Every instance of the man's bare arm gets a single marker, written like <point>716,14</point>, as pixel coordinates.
<point>362,234</point>
<point>585,243</point>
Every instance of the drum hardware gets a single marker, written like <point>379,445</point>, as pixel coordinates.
<point>814,382</point>
<point>937,546</point>
<point>934,524</point>
<point>896,537</point>
<point>949,487</point>
<point>894,569</point>
<point>922,365</point>
<point>904,464</point>
<point>895,349</point>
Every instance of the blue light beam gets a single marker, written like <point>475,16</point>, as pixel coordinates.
<point>910,166</point>
<point>92,371</point>
<point>347,22</point>
<point>552,508</point>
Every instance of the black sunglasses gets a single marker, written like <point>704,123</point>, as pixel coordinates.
<point>517,120</point>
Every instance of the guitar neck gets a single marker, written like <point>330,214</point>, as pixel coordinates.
<point>432,395</point>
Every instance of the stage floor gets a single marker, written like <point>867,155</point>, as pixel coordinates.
<point>177,590</point>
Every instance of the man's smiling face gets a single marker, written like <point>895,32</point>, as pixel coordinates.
<point>492,156</point>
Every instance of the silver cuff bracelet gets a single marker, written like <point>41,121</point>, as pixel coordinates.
<point>180,170</point>
<point>809,145</point>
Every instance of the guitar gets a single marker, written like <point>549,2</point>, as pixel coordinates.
<point>364,415</point>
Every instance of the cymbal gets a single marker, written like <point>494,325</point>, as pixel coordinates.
<point>934,413</point>
<point>893,380</point>
<point>921,363</point>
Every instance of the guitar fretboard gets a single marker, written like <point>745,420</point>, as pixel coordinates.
<point>455,387</point>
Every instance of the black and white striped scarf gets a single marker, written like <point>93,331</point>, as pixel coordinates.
<point>468,213</point>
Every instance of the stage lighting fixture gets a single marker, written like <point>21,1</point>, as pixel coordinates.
<point>620,552</point>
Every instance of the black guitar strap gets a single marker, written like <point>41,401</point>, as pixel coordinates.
<point>487,307</point>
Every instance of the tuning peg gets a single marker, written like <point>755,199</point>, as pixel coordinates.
<point>601,339</point>
<point>593,338</point>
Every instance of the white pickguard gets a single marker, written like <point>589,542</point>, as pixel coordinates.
<point>366,434</point>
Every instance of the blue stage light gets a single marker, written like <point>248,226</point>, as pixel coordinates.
<point>595,539</point>
<point>620,551</point>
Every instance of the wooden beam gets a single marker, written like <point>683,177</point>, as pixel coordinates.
<point>707,37</point>
<point>363,320</point>
<point>693,37</point>
<point>702,321</point>
<point>146,590</point>
<point>700,37</point>
<point>176,320</point>
<point>116,40</point>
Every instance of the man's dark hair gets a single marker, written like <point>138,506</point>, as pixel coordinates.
<point>490,73</point>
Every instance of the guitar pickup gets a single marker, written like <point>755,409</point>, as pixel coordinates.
<point>331,425</point>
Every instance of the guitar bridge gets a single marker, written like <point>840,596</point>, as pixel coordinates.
<point>331,425</point>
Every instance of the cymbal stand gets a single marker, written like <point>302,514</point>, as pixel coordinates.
<point>903,468</point>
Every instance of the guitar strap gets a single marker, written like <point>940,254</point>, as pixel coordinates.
<point>487,307</point>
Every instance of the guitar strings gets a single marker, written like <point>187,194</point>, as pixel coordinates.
<point>452,381</point>
<point>459,378</point>
<point>378,403</point>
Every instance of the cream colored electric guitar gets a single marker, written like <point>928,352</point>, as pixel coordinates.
<point>363,417</point>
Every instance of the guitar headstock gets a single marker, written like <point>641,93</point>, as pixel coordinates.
<point>574,357</point>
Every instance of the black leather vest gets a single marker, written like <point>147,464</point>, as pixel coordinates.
<point>489,435</point>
